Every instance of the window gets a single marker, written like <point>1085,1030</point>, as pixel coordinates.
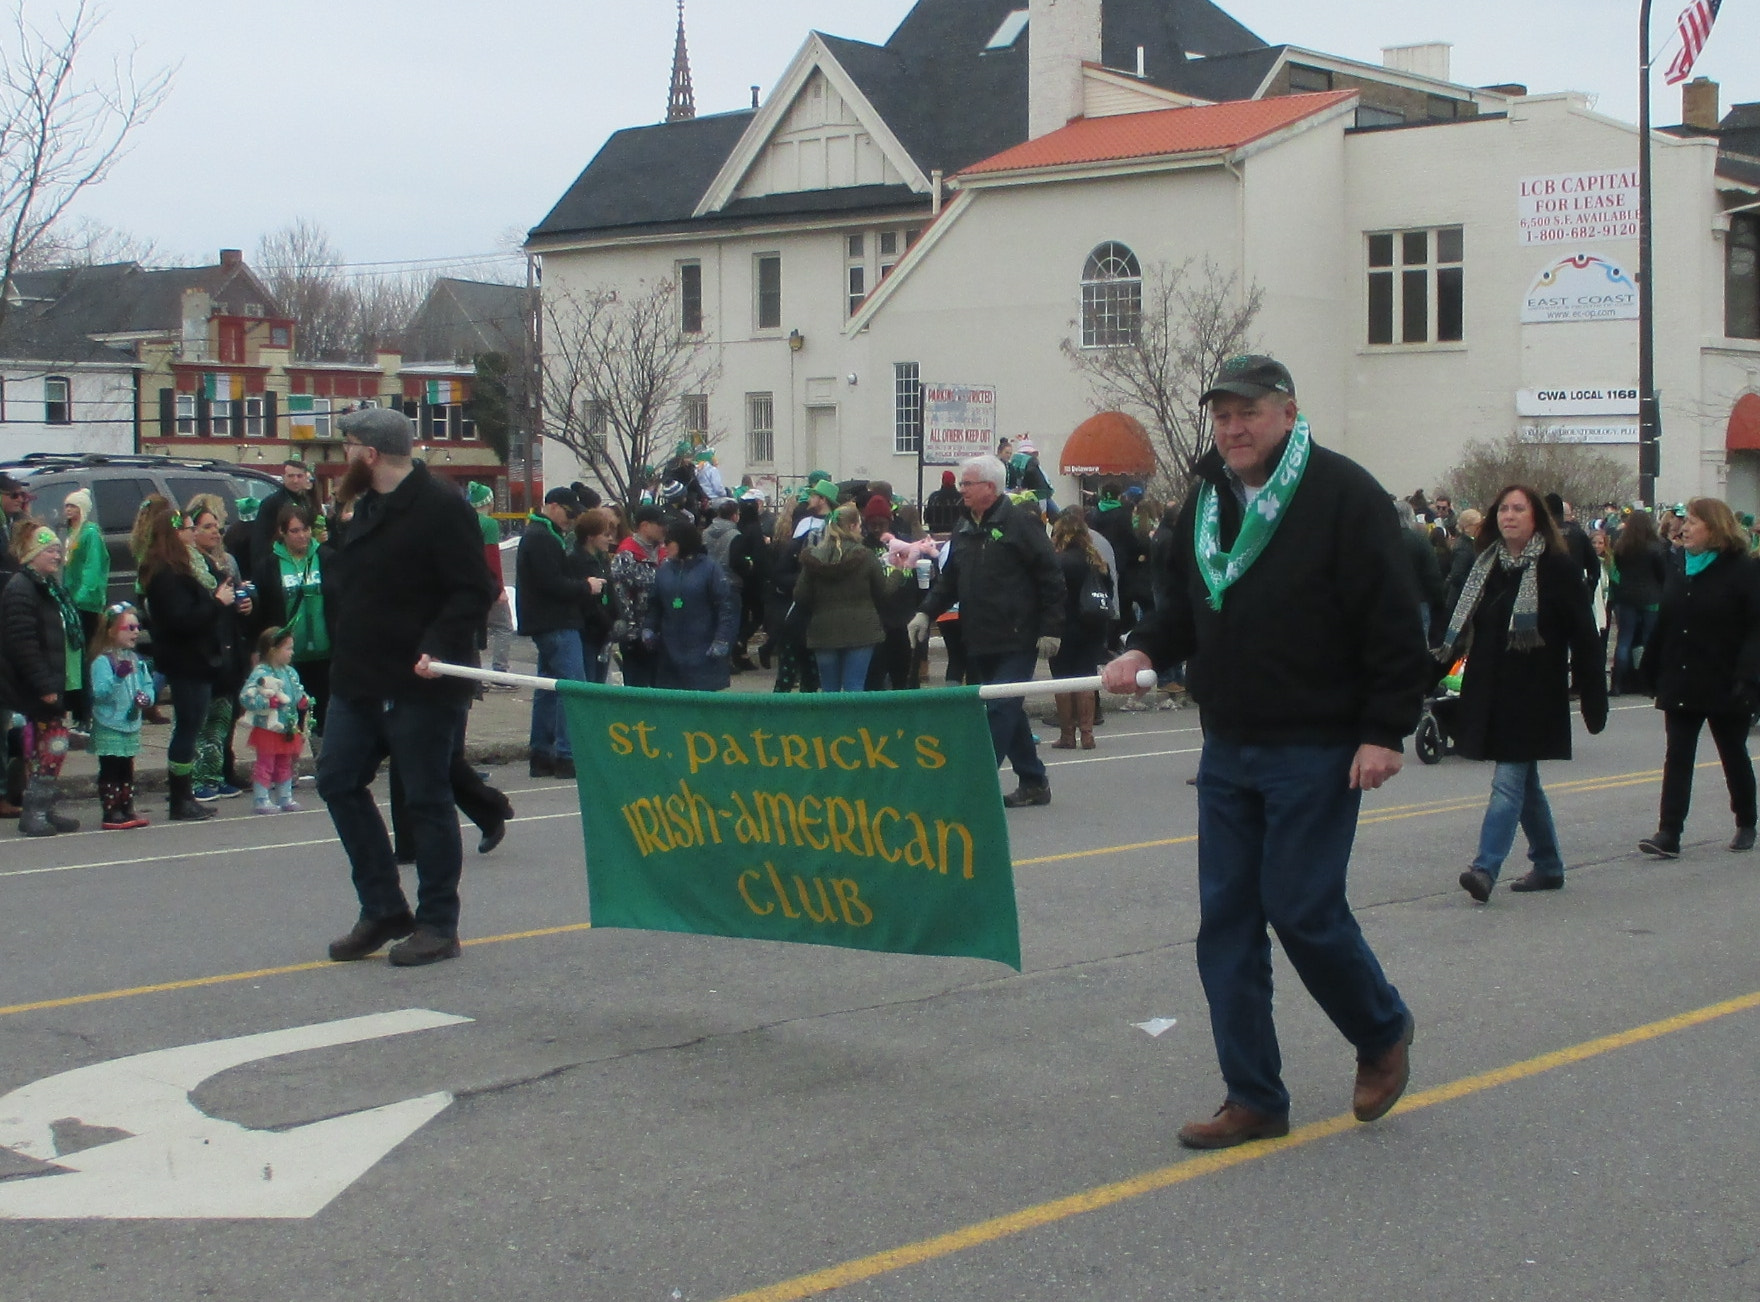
<point>1379,117</point>
<point>57,400</point>
<point>220,417</point>
<point>115,501</point>
<point>1010,30</point>
<point>253,309</point>
<point>253,418</point>
<point>186,413</point>
<point>280,337</point>
<point>1112,297</point>
<point>321,418</point>
<point>694,413</point>
<point>690,297</point>
<point>760,428</point>
<point>1416,293</point>
<point>866,261</point>
<point>907,408</point>
<point>1303,78</point>
<point>769,304</point>
<point>593,423</point>
<point>1741,277</point>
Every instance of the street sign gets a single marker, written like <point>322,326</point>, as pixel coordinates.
<point>170,1160</point>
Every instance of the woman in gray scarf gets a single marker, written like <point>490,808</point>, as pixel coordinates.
<point>1524,621</point>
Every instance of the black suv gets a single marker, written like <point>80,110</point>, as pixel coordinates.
<point>119,484</point>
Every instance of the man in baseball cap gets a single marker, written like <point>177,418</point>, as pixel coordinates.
<point>1251,376</point>
<point>15,502</point>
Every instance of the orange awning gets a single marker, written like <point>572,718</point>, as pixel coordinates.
<point>1744,425</point>
<point>1111,443</point>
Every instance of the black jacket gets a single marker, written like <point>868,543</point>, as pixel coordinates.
<point>1319,642</point>
<point>1704,656</point>
<point>599,613</point>
<point>33,647</point>
<point>551,598</point>
<point>406,579</point>
<point>1515,705</point>
<point>1642,575</point>
<point>1460,564</point>
<point>1005,577</point>
<point>188,634</point>
<point>265,529</point>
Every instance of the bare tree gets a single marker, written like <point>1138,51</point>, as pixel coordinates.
<point>303,270</point>
<point>1543,458</point>
<point>384,304</point>
<point>59,134</point>
<point>86,242</point>
<point>1194,317</point>
<point>617,368</point>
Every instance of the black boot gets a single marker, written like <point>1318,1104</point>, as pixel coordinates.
<point>184,805</point>
<point>35,820</point>
<point>115,808</point>
<point>134,819</point>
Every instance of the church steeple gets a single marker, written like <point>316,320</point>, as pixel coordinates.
<point>681,105</point>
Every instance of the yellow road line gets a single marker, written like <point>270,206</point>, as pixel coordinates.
<point>196,983</point>
<point>1106,1195</point>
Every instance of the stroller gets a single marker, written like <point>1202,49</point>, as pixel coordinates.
<point>1435,734</point>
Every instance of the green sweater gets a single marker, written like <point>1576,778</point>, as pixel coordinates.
<point>87,574</point>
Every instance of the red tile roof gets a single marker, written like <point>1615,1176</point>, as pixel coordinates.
<point>1208,129</point>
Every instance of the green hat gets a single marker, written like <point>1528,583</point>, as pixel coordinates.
<point>705,454</point>
<point>821,484</point>
<point>247,508</point>
<point>801,495</point>
<point>478,494</point>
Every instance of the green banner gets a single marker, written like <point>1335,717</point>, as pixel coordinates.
<point>871,820</point>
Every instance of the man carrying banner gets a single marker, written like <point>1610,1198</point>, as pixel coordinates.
<point>1005,577</point>
<point>408,586</point>
<point>1292,603</point>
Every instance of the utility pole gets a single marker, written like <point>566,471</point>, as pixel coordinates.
<point>1649,412</point>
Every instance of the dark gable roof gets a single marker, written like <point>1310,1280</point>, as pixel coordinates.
<point>949,101</point>
<point>647,175</point>
<point>1738,142</point>
<point>462,318</point>
<point>29,335</point>
<point>125,298</point>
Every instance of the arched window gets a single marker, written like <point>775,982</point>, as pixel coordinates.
<point>1112,297</point>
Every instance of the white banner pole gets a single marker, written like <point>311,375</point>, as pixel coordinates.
<point>989,692</point>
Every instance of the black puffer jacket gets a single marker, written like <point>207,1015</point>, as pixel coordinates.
<point>1704,656</point>
<point>1319,642</point>
<point>1005,577</point>
<point>33,647</point>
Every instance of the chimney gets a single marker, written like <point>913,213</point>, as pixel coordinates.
<point>1061,36</point>
<point>1699,107</point>
<point>230,258</point>
<point>1428,60</point>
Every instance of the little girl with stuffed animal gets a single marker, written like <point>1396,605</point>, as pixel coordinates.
<point>278,708</point>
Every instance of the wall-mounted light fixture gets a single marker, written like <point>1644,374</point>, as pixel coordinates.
<point>796,341</point>
<point>851,377</point>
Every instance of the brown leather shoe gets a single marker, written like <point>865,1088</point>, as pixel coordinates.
<point>1234,1123</point>
<point>1381,1080</point>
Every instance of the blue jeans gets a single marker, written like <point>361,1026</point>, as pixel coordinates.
<point>1516,797</point>
<point>1275,828</point>
<point>1010,733</point>
<point>559,656</point>
<point>1635,627</point>
<point>418,737</point>
<point>844,669</point>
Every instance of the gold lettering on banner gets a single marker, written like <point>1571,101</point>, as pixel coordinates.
<point>746,895</point>
<point>842,902</point>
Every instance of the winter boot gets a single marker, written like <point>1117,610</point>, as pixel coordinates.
<point>1066,722</point>
<point>184,806</point>
<point>1085,719</point>
<point>264,800</point>
<point>60,822</point>
<point>33,818</point>
<point>283,795</point>
<point>128,809</point>
<point>115,808</point>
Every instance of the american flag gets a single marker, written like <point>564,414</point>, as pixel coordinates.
<point>1695,25</point>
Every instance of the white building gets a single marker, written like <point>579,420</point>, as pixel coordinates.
<point>63,393</point>
<point>1439,263</point>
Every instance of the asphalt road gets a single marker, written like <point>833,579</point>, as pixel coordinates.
<point>647,1116</point>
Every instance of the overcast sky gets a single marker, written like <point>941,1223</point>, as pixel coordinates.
<point>433,129</point>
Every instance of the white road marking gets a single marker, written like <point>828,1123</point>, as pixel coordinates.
<point>175,1161</point>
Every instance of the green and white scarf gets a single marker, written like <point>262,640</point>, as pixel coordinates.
<point>1221,569</point>
<point>1524,619</point>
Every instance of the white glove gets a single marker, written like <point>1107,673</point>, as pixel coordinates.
<point>918,629</point>
<point>1048,646</point>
